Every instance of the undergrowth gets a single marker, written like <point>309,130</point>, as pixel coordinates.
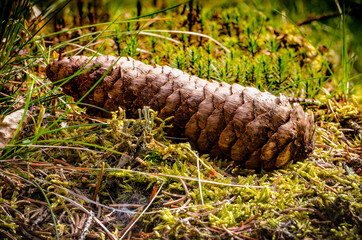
<point>67,175</point>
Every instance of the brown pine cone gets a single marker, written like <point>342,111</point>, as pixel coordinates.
<point>255,129</point>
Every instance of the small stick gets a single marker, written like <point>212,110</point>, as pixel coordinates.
<point>139,215</point>
<point>185,187</point>
<point>154,192</point>
<point>252,218</point>
<point>231,233</point>
<point>275,188</point>
<point>204,214</point>
<point>172,194</point>
<point>327,16</point>
<point>87,225</point>
<point>126,205</point>
<point>182,198</point>
<point>175,201</point>
<point>130,225</point>
<point>299,209</point>
<point>326,186</point>
<point>99,182</point>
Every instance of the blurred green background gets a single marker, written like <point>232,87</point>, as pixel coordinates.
<point>236,24</point>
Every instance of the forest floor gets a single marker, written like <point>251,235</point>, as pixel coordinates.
<point>67,175</point>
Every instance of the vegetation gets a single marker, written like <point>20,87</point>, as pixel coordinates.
<point>68,175</point>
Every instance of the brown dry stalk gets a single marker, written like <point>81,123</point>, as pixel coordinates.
<point>99,181</point>
<point>254,129</point>
<point>328,15</point>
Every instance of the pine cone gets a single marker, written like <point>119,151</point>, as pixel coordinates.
<point>254,129</point>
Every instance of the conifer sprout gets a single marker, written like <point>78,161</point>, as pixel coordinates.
<point>254,129</point>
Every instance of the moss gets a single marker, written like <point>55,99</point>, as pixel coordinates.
<point>319,197</point>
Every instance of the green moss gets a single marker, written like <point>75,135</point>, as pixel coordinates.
<point>318,198</point>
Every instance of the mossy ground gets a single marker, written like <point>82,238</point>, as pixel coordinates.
<point>142,185</point>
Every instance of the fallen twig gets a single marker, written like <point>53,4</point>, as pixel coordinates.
<point>328,16</point>
<point>299,209</point>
